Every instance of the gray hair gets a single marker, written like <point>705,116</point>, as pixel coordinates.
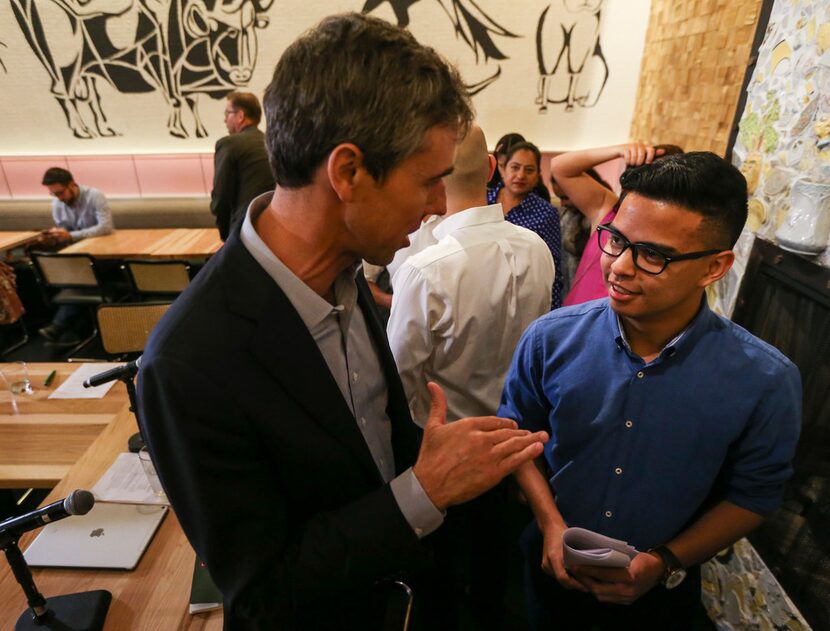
<point>358,79</point>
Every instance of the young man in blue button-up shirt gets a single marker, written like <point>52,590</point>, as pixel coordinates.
<point>671,428</point>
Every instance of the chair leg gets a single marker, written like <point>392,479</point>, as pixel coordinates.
<point>82,343</point>
<point>23,339</point>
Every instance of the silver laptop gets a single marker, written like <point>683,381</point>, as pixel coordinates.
<point>108,536</point>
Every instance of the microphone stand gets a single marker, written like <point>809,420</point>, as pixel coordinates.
<point>84,611</point>
<point>134,442</point>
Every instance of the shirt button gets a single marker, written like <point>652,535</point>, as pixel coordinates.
<point>354,376</point>
<point>629,424</point>
<point>382,462</point>
<point>618,471</point>
<point>419,532</point>
<point>608,513</point>
<point>641,374</point>
<point>363,421</point>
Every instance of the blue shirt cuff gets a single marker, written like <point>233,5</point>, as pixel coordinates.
<point>417,508</point>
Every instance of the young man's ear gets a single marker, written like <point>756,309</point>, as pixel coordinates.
<point>492,166</point>
<point>343,170</point>
<point>719,265</point>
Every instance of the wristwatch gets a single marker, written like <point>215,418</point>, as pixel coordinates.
<point>674,572</point>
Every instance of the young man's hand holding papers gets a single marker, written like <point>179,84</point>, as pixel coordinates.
<point>586,547</point>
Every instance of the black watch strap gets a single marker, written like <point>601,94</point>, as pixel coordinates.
<point>669,559</point>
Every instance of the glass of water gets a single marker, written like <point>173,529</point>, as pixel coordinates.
<point>150,471</point>
<point>17,379</point>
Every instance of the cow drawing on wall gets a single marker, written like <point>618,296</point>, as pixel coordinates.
<point>471,24</point>
<point>572,68</point>
<point>181,47</point>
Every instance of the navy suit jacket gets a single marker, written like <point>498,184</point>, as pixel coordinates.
<point>262,459</point>
<point>240,173</point>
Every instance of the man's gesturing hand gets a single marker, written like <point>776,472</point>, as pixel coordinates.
<point>460,460</point>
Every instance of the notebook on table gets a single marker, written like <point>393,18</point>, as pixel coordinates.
<point>109,536</point>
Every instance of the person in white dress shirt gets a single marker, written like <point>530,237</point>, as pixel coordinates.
<point>461,304</point>
<point>459,310</point>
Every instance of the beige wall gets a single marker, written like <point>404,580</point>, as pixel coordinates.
<point>694,61</point>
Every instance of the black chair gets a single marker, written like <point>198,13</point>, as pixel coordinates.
<point>75,281</point>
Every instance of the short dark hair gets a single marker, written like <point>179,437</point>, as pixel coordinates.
<point>505,142</point>
<point>57,175</point>
<point>526,146</point>
<point>700,182</point>
<point>248,103</point>
<point>359,79</point>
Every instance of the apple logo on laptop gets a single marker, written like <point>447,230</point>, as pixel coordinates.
<point>98,532</point>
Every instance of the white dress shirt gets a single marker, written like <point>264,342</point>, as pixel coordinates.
<point>418,240</point>
<point>460,307</point>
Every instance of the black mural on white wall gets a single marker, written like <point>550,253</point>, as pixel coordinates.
<point>572,68</point>
<point>471,23</point>
<point>184,48</point>
<point>181,48</point>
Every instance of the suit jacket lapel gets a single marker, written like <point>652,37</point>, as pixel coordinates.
<point>405,434</point>
<point>284,346</point>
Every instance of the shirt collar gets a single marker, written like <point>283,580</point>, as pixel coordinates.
<point>684,339</point>
<point>312,308</point>
<point>492,213</point>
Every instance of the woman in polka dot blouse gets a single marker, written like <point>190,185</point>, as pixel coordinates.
<point>525,208</point>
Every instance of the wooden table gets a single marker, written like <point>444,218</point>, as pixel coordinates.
<point>152,597</point>
<point>11,240</point>
<point>41,438</point>
<point>151,243</point>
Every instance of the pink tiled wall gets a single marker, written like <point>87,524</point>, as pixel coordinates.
<point>168,175</point>
<point>162,175</point>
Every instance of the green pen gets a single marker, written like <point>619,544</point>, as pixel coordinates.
<point>50,378</point>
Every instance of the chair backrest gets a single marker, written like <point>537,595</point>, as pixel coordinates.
<point>65,270</point>
<point>158,277</point>
<point>125,326</point>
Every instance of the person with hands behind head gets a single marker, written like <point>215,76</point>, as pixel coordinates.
<point>647,443</point>
<point>268,395</point>
<point>569,174</point>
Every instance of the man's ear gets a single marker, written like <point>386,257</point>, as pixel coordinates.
<point>492,166</point>
<point>343,170</point>
<point>719,265</point>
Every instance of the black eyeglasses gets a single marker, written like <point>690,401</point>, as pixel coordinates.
<point>646,257</point>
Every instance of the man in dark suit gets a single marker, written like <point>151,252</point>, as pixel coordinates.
<point>240,163</point>
<point>268,394</point>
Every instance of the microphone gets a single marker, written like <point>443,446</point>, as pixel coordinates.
<point>79,502</point>
<point>127,370</point>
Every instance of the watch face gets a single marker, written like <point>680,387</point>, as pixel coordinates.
<point>675,578</point>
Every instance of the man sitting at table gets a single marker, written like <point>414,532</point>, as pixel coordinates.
<point>79,212</point>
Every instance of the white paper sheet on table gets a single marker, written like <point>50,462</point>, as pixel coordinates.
<point>73,387</point>
<point>125,482</point>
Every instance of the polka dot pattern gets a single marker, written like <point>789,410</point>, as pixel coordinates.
<point>535,214</point>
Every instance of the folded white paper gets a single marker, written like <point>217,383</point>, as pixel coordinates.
<point>125,483</point>
<point>586,547</point>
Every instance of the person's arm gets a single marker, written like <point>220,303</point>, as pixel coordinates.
<point>409,330</point>
<point>718,528</point>
<point>103,219</point>
<point>271,550</point>
<point>225,183</point>
<point>590,197</point>
<point>551,524</point>
<point>757,467</point>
